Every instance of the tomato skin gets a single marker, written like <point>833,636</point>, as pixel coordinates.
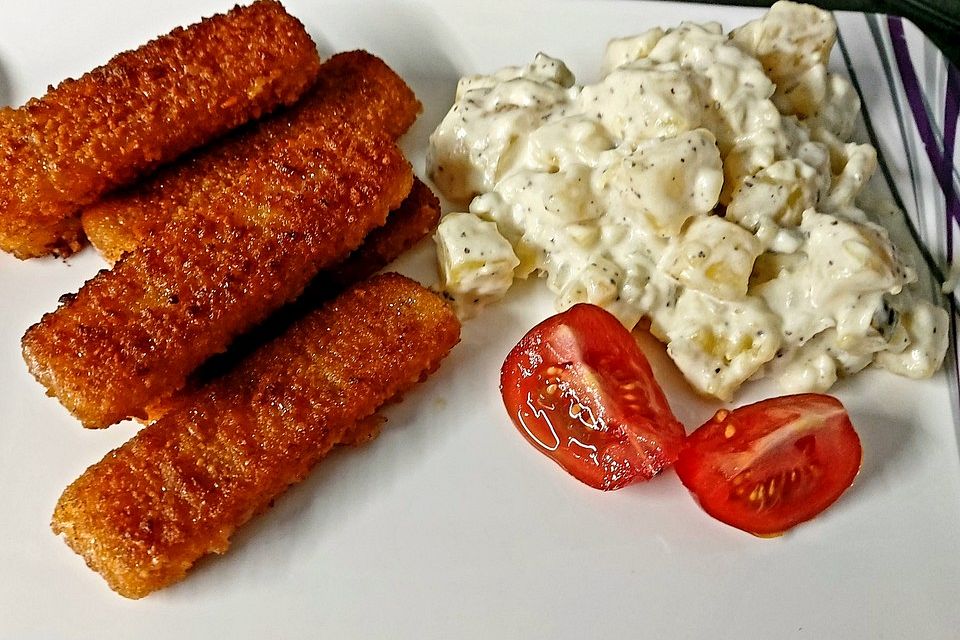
<point>579,389</point>
<point>769,466</point>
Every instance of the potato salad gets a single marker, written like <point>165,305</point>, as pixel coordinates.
<point>707,183</point>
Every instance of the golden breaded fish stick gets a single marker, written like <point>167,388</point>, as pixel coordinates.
<point>145,107</point>
<point>180,488</point>
<point>416,217</point>
<point>131,335</point>
<point>356,87</point>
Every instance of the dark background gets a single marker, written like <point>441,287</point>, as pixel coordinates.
<point>939,19</point>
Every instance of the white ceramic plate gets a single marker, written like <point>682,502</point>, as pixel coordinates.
<point>450,525</point>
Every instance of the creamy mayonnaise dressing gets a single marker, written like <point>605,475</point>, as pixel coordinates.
<point>707,183</point>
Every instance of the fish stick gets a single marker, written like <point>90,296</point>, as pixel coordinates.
<point>416,217</point>
<point>144,107</point>
<point>180,488</point>
<point>131,335</point>
<point>410,223</point>
<point>355,86</point>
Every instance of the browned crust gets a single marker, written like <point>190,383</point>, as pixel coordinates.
<point>143,108</point>
<point>131,335</point>
<point>180,488</point>
<point>410,223</point>
<point>416,217</point>
<point>355,87</point>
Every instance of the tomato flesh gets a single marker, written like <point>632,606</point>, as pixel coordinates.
<point>766,467</point>
<point>579,389</point>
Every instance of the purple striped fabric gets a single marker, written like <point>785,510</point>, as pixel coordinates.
<point>941,160</point>
<point>939,143</point>
<point>951,112</point>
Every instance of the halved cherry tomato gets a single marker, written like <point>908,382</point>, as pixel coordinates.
<point>580,390</point>
<point>771,465</point>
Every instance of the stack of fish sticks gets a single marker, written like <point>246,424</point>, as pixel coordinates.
<point>224,170</point>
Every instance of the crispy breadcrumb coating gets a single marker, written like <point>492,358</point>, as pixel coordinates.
<point>145,107</point>
<point>131,335</point>
<point>180,488</point>
<point>416,217</point>
<point>355,87</point>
